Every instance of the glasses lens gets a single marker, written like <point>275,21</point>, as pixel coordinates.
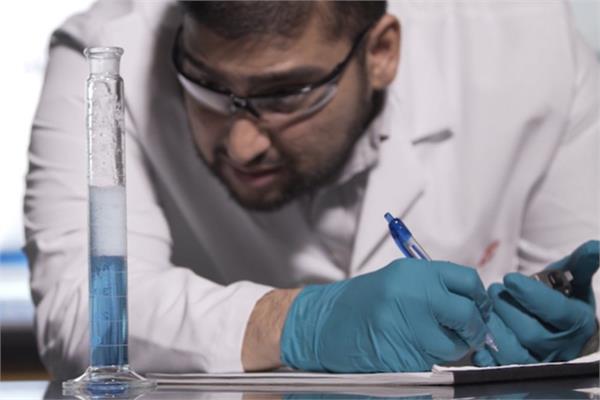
<point>295,105</point>
<point>210,99</point>
<point>275,108</point>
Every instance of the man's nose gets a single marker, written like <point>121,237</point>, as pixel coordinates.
<point>246,141</point>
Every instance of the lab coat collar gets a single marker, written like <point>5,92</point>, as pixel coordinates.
<point>415,114</point>
<point>393,185</point>
<point>426,78</point>
<point>365,155</point>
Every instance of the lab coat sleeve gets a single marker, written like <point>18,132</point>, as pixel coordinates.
<point>564,208</point>
<point>178,321</point>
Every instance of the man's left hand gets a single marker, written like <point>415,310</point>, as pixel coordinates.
<point>534,323</point>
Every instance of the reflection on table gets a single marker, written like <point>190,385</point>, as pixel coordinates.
<point>579,388</point>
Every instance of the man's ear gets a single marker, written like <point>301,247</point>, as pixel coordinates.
<point>383,51</point>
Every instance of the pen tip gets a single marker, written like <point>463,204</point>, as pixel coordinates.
<point>489,340</point>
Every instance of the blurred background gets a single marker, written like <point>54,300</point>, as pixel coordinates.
<point>25,27</point>
<point>24,31</point>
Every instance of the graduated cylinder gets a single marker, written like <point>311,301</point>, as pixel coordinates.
<point>107,209</point>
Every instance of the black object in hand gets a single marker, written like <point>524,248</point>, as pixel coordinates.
<point>556,279</point>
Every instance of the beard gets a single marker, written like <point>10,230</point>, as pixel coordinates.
<point>294,182</point>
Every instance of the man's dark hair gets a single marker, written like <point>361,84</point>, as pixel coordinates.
<point>237,19</point>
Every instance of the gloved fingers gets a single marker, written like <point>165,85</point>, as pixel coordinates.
<point>583,263</point>
<point>525,326</point>
<point>465,282</point>
<point>541,340</point>
<point>462,316</point>
<point>548,305</point>
<point>442,345</point>
<point>510,350</point>
<point>483,358</point>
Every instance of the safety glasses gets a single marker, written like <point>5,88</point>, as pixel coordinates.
<point>276,108</point>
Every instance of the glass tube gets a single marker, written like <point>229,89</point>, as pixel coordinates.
<point>109,371</point>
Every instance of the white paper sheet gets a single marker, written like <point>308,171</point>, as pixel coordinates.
<point>438,376</point>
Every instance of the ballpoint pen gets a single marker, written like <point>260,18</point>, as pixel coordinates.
<point>412,249</point>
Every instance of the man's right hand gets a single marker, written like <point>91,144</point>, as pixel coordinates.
<point>405,317</point>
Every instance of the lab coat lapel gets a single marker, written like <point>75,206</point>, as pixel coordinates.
<point>394,185</point>
<point>416,114</point>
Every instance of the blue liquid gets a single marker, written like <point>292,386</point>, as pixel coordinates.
<point>108,311</point>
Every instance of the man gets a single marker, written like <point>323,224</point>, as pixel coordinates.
<point>267,140</point>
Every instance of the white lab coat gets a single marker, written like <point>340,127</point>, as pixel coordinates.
<point>492,159</point>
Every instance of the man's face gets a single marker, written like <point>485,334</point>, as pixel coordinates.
<point>264,166</point>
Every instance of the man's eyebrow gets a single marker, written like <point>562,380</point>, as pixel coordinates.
<point>303,74</point>
<point>200,66</point>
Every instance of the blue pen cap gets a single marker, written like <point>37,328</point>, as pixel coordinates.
<point>398,230</point>
<point>400,234</point>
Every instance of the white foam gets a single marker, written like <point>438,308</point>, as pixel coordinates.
<point>108,218</point>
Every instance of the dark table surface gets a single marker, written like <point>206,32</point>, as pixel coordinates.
<point>579,388</point>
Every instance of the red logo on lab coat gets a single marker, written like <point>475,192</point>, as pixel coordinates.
<point>488,253</point>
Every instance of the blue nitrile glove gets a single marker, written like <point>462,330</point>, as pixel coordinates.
<point>404,317</point>
<point>534,323</point>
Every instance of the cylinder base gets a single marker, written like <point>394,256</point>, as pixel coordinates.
<point>112,381</point>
